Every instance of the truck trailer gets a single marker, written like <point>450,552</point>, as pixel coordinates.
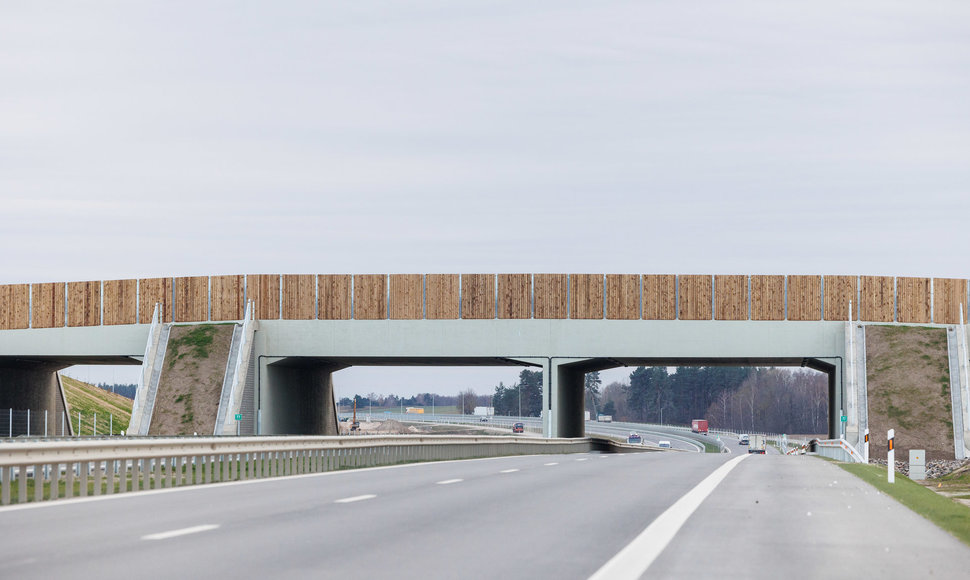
<point>756,444</point>
<point>699,426</point>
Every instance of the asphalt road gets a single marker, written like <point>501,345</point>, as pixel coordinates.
<point>556,517</point>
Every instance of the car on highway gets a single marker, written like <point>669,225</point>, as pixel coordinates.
<point>664,444</point>
<point>635,439</point>
<point>483,420</point>
<point>743,439</point>
<point>518,428</point>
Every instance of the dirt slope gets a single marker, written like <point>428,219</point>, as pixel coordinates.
<point>908,378</point>
<point>113,410</point>
<point>191,381</point>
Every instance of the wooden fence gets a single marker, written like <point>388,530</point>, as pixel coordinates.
<point>485,296</point>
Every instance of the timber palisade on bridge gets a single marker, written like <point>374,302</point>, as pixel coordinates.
<point>484,296</point>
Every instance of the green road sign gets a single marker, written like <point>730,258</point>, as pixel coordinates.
<point>843,418</point>
<point>239,417</point>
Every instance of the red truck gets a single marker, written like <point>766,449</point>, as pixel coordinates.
<point>699,426</point>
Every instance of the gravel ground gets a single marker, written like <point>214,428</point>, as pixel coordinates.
<point>934,468</point>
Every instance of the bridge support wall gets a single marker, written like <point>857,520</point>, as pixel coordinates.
<point>296,397</point>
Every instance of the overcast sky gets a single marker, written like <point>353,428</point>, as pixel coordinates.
<point>185,138</point>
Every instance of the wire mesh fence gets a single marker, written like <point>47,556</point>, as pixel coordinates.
<point>46,423</point>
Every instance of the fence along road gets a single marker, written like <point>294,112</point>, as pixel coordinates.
<point>49,470</point>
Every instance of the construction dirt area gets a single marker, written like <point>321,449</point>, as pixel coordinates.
<point>908,385</point>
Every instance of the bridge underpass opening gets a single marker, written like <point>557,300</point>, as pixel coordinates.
<point>31,383</point>
<point>298,395</point>
<point>768,395</point>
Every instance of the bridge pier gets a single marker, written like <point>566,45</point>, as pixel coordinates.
<point>295,396</point>
<point>32,385</point>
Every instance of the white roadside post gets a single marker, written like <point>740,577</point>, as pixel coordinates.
<point>891,456</point>
<point>865,449</point>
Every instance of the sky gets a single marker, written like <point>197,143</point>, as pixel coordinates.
<point>709,137</point>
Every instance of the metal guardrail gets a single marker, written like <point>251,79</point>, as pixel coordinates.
<point>839,449</point>
<point>50,470</point>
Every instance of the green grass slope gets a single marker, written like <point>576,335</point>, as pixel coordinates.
<point>113,410</point>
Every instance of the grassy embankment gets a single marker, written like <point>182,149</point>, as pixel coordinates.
<point>113,411</point>
<point>942,511</point>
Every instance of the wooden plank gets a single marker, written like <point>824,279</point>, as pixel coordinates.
<point>444,298</point>
<point>406,297</point>
<point>913,300</point>
<point>228,297</point>
<point>299,297</point>
<point>767,297</point>
<point>878,299</point>
<point>14,306</point>
<point>804,298</point>
<point>730,297</point>
<point>839,290</point>
<point>370,296</point>
<point>586,296</point>
<point>264,291</point>
<point>659,297</point>
<point>695,292</point>
<point>84,303</point>
<point>47,305</point>
<point>550,295</point>
<point>191,299</point>
<point>622,296</point>
<point>152,291</point>
<point>120,302</point>
<point>334,295</point>
<point>478,296</point>
<point>514,296</point>
<point>948,295</point>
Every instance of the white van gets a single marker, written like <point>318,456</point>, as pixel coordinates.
<point>664,444</point>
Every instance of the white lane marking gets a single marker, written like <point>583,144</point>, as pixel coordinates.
<point>355,498</point>
<point>508,471</point>
<point>553,463</point>
<point>582,459</point>
<point>449,481</point>
<point>633,560</point>
<point>180,532</point>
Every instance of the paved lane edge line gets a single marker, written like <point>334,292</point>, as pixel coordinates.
<point>633,561</point>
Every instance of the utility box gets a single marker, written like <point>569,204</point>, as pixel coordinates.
<point>917,464</point>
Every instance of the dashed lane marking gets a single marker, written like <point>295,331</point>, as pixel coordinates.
<point>355,498</point>
<point>450,481</point>
<point>180,532</point>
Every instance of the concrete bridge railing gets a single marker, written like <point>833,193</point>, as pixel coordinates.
<point>51,470</point>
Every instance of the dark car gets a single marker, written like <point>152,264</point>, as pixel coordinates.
<point>635,439</point>
<point>518,428</point>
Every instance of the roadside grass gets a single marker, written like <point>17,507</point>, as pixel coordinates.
<point>942,511</point>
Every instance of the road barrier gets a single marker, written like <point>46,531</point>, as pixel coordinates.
<point>49,470</point>
<point>840,450</point>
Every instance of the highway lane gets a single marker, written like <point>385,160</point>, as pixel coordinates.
<point>556,517</point>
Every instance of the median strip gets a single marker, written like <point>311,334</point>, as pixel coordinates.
<point>180,532</point>
<point>355,498</point>
<point>633,560</point>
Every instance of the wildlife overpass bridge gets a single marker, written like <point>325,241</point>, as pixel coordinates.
<point>303,328</point>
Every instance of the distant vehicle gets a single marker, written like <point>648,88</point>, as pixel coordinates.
<point>664,444</point>
<point>486,411</point>
<point>518,428</point>
<point>757,444</point>
<point>483,420</point>
<point>699,426</point>
<point>635,439</point>
<point>743,439</point>
<point>604,418</point>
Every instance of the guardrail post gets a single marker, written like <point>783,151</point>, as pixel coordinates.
<point>83,468</point>
<point>891,456</point>
<point>110,477</point>
<point>38,482</point>
<point>5,485</point>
